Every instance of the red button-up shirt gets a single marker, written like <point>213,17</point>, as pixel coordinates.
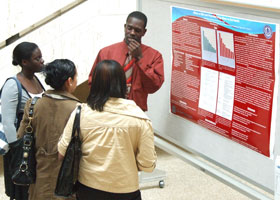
<point>147,75</point>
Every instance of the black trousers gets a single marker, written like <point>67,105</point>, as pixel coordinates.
<point>13,191</point>
<point>87,193</point>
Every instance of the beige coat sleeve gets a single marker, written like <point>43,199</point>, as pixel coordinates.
<point>146,155</point>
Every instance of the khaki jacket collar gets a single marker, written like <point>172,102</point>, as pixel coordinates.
<point>60,93</point>
<point>124,107</point>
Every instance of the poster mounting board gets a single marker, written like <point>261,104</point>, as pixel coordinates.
<point>224,75</point>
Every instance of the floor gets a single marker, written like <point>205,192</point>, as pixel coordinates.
<point>182,182</point>
<point>185,182</point>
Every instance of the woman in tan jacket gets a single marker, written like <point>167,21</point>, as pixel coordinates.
<point>117,139</point>
<point>51,113</point>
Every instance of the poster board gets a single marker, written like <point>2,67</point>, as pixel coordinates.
<point>224,73</point>
<point>82,91</point>
<point>221,151</point>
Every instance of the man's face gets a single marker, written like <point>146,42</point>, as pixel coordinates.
<point>134,29</point>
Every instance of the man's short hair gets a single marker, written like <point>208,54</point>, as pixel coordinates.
<point>138,15</point>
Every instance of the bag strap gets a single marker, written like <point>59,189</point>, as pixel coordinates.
<point>19,94</point>
<point>28,128</point>
<point>34,100</point>
<point>76,125</point>
<point>26,164</point>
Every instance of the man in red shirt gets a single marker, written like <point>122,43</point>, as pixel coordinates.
<point>143,64</point>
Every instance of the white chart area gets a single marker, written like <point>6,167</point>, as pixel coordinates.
<point>225,96</point>
<point>208,89</point>
<point>217,92</point>
<point>227,39</point>
<point>226,49</point>
<point>208,44</point>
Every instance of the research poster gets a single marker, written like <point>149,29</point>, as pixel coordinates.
<point>224,75</point>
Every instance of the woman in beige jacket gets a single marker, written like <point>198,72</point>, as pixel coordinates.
<point>51,114</point>
<point>117,139</point>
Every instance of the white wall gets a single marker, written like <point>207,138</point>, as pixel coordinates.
<point>77,35</point>
<point>18,15</point>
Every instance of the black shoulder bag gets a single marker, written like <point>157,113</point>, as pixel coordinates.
<point>68,173</point>
<point>23,161</point>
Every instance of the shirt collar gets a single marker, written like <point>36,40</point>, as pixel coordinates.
<point>62,93</point>
<point>124,107</point>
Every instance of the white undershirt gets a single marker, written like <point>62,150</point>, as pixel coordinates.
<point>36,95</point>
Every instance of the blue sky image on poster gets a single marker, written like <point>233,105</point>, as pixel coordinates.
<point>233,23</point>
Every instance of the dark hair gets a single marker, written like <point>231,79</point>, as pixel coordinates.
<point>58,71</point>
<point>108,80</point>
<point>22,51</point>
<point>138,15</point>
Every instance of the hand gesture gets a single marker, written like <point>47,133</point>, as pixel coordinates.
<point>134,49</point>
